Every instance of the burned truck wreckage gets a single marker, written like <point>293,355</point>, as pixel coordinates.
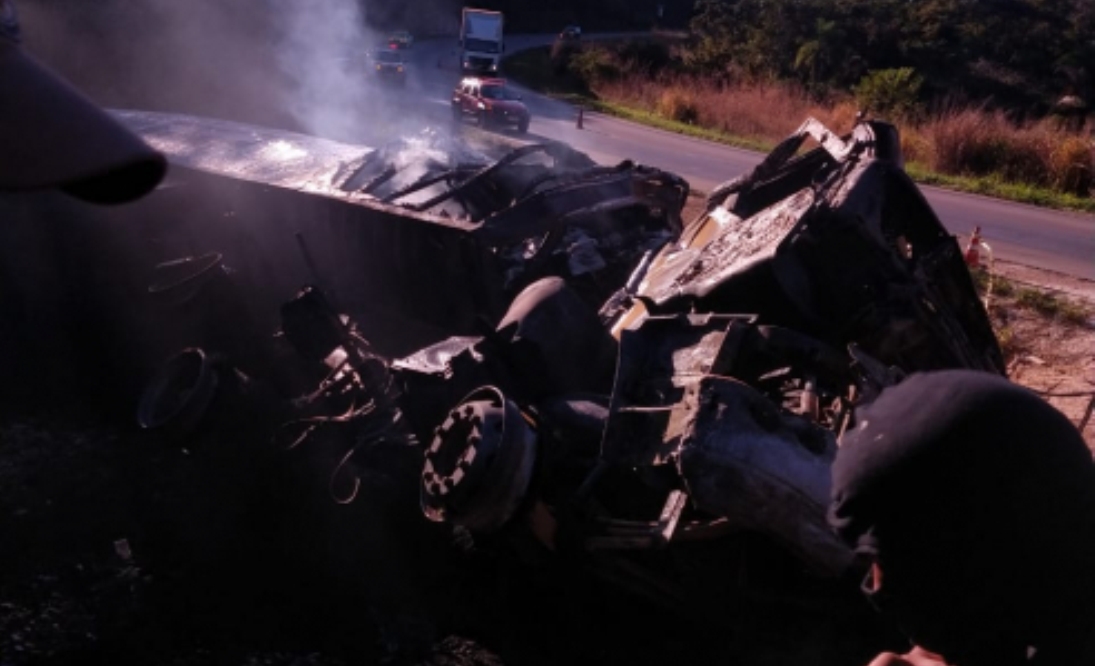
<point>567,364</point>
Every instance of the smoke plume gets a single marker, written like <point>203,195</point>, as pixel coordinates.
<point>294,64</point>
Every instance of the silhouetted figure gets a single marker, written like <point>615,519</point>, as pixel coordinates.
<point>53,136</point>
<point>974,502</point>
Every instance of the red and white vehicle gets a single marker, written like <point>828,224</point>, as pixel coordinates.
<point>491,103</point>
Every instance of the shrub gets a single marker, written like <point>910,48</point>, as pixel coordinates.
<point>563,52</point>
<point>979,143</point>
<point>968,142</point>
<point>645,55</point>
<point>1024,155</point>
<point>1071,164</point>
<point>915,147</point>
<point>1004,287</point>
<point>678,105</point>
<point>1009,343</point>
<point>595,66</point>
<point>891,91</point>
<point>842,117</point>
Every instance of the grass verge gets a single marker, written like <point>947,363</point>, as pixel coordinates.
<point>1042,301</point>
<point>652,119</point>
<point>995,187</point>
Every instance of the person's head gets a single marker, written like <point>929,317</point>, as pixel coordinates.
<point>975,500</point>
<point>52,136</point>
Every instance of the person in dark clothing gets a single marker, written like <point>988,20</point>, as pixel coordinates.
<point>53,139</point>
<point>53,136</point>
<point>973,500</point>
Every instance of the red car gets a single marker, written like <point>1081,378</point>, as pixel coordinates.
<point>491,103</point>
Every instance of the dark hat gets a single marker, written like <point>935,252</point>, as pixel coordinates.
<point>53,136</point>
<point>976,498</point>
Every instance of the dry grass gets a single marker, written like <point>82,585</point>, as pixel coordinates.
<point>973,142</point>
<point>969,149</point>
<point>961,142</point>
<point>766,111</point>
<point>679,105</point>
<point>1071,165</point>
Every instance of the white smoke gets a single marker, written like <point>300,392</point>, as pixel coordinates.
<point>322,47</point>
<point>296,64</point>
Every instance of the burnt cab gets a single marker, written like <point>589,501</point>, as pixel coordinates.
<point>491,103</point>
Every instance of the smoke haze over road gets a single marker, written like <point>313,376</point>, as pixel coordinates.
<point>295,64</point>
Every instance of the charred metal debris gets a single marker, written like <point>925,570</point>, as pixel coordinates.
<point>650,385</point>
<point>542,208</point>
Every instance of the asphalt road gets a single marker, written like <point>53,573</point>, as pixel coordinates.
<point>1019,233</point>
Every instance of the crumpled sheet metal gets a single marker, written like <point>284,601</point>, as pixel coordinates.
<point>436,359</point>
<point>742,244</point>
<point>764,219</point>
<point>287,208</point>
<point>740,455</point>
<point>597,191</point>
<point>845,238</point>
<point>743,458</point>
<point>658,363</point>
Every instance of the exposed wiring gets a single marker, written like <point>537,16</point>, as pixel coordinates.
<point>344,377</point>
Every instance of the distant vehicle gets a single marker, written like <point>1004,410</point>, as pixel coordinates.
<point>571,33</point>
<point>390,65</point>
<point>400,39</point>
<point>481,42</point>
<point>491,103</point>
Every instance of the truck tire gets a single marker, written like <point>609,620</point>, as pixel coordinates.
<point>522,127</point>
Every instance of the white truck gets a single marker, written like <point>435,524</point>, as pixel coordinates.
<point>481,42</point>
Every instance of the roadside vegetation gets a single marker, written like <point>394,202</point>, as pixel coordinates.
<point>980,107</point>
<point>1047,338</point>
<point>1005,292</point>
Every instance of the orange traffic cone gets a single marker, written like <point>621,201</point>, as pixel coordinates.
<point>973,249</point>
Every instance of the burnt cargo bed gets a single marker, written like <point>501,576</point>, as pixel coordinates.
<point>416,241</point>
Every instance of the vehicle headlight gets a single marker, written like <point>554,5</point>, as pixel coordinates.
<point>481,106</point>
<point>494,65</point>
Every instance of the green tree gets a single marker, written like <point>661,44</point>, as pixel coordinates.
<point>822,58</point>
<point>1021,54</point>
<point>890,91</point>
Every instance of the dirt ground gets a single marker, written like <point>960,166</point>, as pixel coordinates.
<point>1048,354</point>
<point>118,548</point>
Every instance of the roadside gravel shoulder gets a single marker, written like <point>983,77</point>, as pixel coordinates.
<point>1048,354</point>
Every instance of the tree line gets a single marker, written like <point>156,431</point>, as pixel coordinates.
<point>1019,54</point>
